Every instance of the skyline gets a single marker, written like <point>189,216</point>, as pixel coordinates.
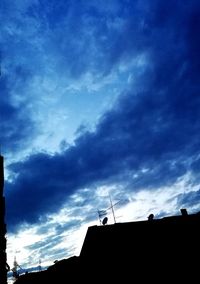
<point>97,99</point>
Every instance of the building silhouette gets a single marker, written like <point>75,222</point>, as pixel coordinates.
<point>153,250</point>
<point>3,258</point>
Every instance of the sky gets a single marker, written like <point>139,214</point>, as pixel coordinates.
<point>98,99</point>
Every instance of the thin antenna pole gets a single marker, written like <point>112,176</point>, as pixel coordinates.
<point>39,267</point>
<point>99,217</point>
<point>112,207</point>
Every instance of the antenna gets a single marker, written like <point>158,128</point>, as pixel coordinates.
<point>39,267</point>
<point>112,208</point>
<point>14,269</point>
<point>102,213</point>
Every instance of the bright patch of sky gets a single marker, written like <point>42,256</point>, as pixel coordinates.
<point>69,105</point>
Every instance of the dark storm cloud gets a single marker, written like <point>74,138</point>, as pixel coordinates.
<point>15,124</point>
<point>150,137</point>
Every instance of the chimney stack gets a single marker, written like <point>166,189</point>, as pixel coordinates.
<point>184,212</point>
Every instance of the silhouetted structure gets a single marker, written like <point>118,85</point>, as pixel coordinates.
<point>15,272</point>
<point>157,251</point>
<point>150,217</point>
<point>3,258</point>
<point>184,212</point>
<point>105,221</point>
<point>144,250</point>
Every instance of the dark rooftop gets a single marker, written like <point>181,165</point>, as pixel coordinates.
<point>144,249</point>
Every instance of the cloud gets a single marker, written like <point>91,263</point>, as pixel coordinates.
<point>47,49</point>
<point>15,125</point>
<point>150,136</point>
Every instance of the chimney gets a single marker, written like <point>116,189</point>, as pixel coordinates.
<point>184,212</point>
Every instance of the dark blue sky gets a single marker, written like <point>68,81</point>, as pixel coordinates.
<point>98,98</point>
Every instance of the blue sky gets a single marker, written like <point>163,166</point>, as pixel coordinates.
<point>97,98</point>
